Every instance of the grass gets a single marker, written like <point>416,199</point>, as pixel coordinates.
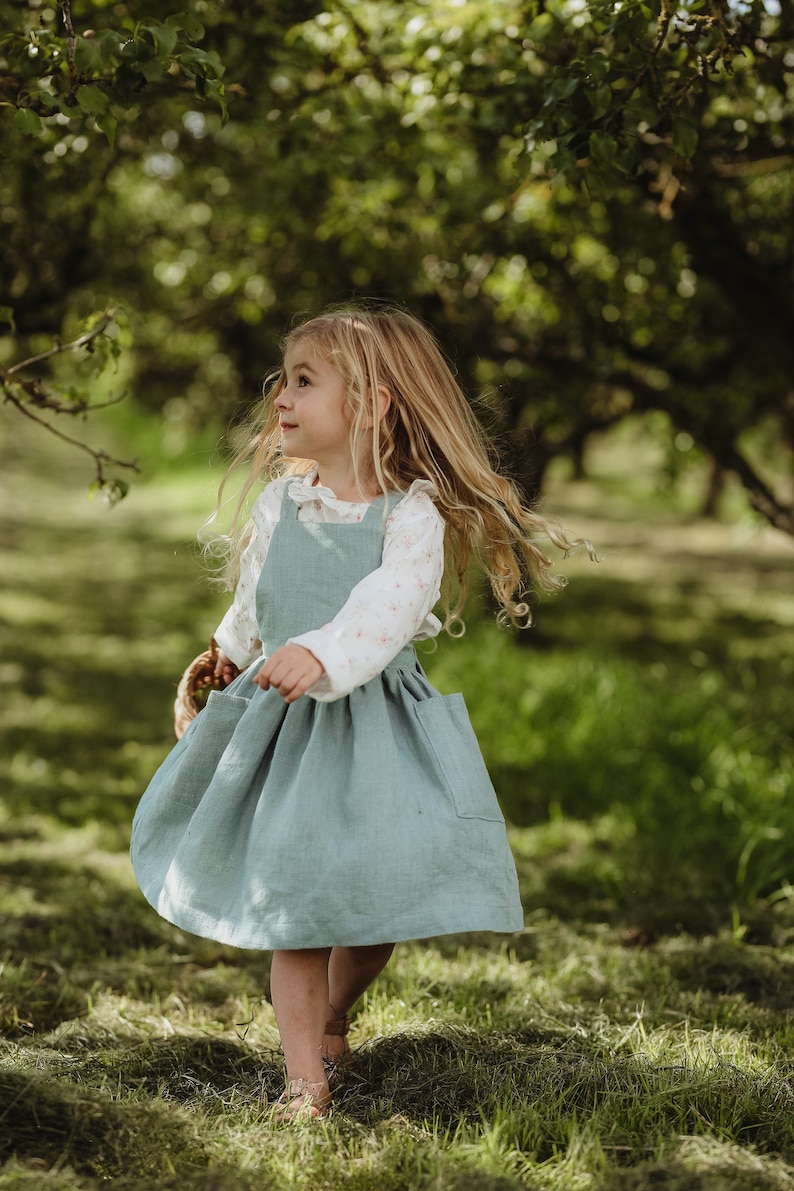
<point>637,1034</point>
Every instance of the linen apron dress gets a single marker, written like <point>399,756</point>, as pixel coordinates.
<point>369,819</point>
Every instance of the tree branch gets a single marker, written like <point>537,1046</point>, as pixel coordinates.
<point>22,393</point>
<point>726,454</point>
<point>59,348</point>
<point>762,498</point>
<point>100,457</point>
<point>66,14</point>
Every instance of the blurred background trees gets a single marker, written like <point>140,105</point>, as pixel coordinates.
<point>590,202</point>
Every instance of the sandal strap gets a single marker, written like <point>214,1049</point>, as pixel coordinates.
<point>340,1027</point>
<point>300,1087</point>
<point>302,1099</point>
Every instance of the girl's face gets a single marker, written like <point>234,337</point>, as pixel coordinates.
<point>313,411</point>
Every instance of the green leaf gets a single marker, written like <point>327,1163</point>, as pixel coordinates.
<point>564,86</point>
<point>165,38</point>
<point>596,66</point>
<point>152,70</point>
<point>136,50</point>
<point>601,99</point>
<point>603,147</point>
<point>685,137</point>
<point>214,87</point>
<point>7,316</point>
<point>93,54</point>
<point>126,83</point>
<point>542,27</point>
<point>627,158</point>
<point>642,110</point>
<point>114,491</point>
<point>27,122</point>
<point>92,99</point>
<point>562,162</point>
<point>190,25</point>
<point>108,124</point>
<point>208,59</point>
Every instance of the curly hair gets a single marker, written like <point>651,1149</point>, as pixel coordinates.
<point>428,432</point>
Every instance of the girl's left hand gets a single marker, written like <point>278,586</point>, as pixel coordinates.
<point>291,670</point>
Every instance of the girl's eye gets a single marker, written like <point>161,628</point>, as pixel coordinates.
<point>302,381</point>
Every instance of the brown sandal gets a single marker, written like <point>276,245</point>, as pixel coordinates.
<point>338,1028</point>
<point>302,1101</point>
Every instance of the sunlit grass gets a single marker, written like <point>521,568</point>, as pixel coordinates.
<point>638,1033</point>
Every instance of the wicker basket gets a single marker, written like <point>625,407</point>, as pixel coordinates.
<point>195,686</point>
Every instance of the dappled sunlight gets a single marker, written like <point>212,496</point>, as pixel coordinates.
<point>645,737</point>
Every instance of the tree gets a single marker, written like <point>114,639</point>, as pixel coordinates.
<point>65,89</point>
<point>591,202</point>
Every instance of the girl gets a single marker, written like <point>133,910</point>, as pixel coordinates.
<point>330,802</point>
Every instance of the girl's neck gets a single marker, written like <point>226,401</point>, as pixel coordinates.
<point>345,486</point>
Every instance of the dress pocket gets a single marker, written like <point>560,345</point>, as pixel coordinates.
<point>445,722</point>
<point>203,745</point>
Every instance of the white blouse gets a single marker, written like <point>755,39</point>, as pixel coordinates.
<point>384,611</point>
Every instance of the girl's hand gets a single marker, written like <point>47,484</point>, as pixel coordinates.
<point>225,668</point>
<point>291,670</point>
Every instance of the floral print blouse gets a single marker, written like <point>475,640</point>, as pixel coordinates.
<point>388,608</point>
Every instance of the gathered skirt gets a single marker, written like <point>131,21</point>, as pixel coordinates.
<point>366,820</point>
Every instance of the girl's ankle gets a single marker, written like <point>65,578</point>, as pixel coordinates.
<point>335,1047</point>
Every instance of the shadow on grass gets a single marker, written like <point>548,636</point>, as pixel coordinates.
<point>540,1088</point>
<point>55,1122</point>
<point>763,976</point>
<point>101,629</point>
<point>701,1166</point>
<point>452,1077</point>
<point>216,1072</point>
<point>82,914</point>
<point>79,930</point>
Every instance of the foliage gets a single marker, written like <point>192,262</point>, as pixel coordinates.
<point>591,202</point>
<point>100,342</point>
<point>87,78</point>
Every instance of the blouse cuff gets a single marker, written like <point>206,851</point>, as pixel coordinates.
<point>233,649</point>
<point>336,681</point>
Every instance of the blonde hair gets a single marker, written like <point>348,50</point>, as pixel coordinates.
<point>428,432</point>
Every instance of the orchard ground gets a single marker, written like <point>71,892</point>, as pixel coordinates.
<point>638,1033</point>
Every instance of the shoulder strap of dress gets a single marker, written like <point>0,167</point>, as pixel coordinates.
<point>377,506</point>
<point>289,507</point>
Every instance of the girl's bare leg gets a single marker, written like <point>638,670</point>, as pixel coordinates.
<point>299,994</point>
<point>351,970</point>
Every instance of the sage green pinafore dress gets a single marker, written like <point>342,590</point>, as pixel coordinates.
<point>369,819</point>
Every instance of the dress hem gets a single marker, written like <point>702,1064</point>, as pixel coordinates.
<point>483,921</point>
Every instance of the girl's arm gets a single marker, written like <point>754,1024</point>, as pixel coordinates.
<point>388,608</point>
<point>237,635</point>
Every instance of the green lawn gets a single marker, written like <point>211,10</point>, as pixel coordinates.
<point>637,1034</point>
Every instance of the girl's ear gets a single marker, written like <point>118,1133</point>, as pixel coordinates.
<point>383,404</point>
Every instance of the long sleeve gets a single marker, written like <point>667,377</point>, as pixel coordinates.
<point>237,634</point>
<point>389,607</point>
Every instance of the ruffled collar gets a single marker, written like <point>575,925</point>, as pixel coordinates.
<point>304,490</point>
